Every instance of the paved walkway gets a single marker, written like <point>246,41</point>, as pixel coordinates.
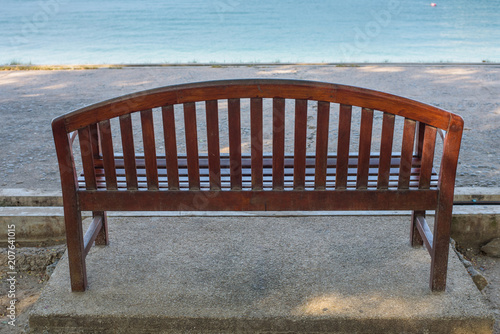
<point>254,274</point>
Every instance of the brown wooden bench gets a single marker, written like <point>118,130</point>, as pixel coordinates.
<point>260,120</point>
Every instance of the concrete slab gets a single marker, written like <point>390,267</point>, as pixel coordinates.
<point>250,274</point>
<point>472,226</point>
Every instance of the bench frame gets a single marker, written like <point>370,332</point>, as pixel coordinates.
<point>101,193</point>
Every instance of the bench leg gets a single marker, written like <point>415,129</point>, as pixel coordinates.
<point>440,250</point>
<point>415,237</point>
<point>76,254</point>
<point>102,238</point>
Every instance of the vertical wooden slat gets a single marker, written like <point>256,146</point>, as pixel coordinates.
<point>193,163</point>
<point>300,148</point>
<point>170,147</point>
<point>108,154</point>
<point>321,144</point>
<point>256,141</point>
<point>94,137</point>
<point>365,142</point>
<point>148,139</point>
<point>278,142</point>
<point>234,123</point>
<point>213,143</point>
<point>343,146</point>
<point>128,151</point>
<point>384,170</point>
<point>86,150</point>
<point>406,154</point>
<point>419,142</point>
<point>427,157</point>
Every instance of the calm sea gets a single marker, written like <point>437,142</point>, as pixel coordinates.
<point>195,31</point>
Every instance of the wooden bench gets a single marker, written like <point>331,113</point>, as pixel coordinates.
<point>289,147</point>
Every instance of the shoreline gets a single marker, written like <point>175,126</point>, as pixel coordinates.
<point>34,67</point>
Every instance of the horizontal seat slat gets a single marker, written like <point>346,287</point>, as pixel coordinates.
<point>267,178</point>
<point>266,171</point>
<point>246,186</point>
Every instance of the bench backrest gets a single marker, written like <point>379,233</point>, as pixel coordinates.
<point>201,107</point>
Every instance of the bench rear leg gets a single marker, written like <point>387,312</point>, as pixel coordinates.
<point>102,238</point>
<point>76,254</point>
<point>440,250</point>
<point>415,237</point>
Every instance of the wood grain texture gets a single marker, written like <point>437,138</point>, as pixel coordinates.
<point>300,148</point>
<point>406,153</point>
<point>170,146</point>
<point>256,110</point>
<point>148,140</point>
<point>387,137</point>
<point>344,138</point>
<point>128,151</point>
<point>262,200</point>
<point>322,128</point>
<point>85,137</point>
<point>108,156</point>
<point>234,122</point>
<point>213,145</point>
<point>365,143</point>
<point>94,137</point>
<point>72,210</point>
<point>427,154</point>
<point>419,142</point>
<point>416,239</point>
<point>278,142</point>
<point>191,132</point>
<point>91,234</point>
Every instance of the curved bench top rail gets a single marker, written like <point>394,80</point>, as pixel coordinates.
<point>261,88</point>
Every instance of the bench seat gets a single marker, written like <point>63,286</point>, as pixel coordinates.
<point>267,173</point>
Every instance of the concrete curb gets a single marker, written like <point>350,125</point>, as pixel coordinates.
<point>29,197</point>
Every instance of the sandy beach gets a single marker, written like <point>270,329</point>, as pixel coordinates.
<point>29,100</point>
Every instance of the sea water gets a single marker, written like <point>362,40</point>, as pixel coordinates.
<point>251,31</point>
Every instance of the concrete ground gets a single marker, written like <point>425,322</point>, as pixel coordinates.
<point>341,274</point>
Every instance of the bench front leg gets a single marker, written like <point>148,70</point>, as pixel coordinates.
<point>76,253</point>
<point>440,250</point>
